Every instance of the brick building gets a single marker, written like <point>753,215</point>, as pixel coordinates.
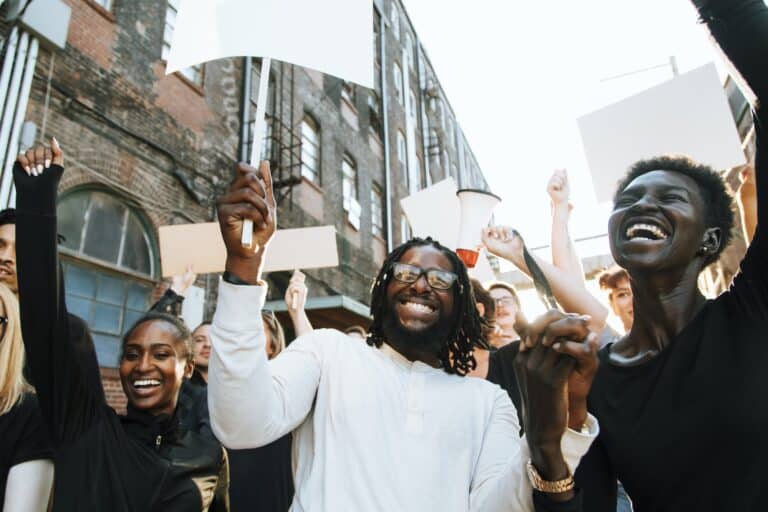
<point>145,150</point>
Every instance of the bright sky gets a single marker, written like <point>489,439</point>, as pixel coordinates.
<point>519,74</point>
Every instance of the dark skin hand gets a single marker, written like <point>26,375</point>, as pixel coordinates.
<point>555,369</point>
<point>250,196</point>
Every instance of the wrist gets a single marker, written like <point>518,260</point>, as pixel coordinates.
<point>549,461</point>
<point>247,269</point>
<point>577,414</point>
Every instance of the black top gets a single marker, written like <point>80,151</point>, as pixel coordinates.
<point>261,479</point>
<point>687,429</point>
<point>501,371</point>
<point>136,463</point>
<point>22,438</point>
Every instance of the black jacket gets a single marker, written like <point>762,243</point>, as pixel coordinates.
<point>103,461</point>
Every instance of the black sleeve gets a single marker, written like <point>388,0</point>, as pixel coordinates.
<point>170,303</point>
<point>740,28</point>
<point>68,403</point>
<point>33,443</point>
<point>597,480</point>
<point>543,503</point>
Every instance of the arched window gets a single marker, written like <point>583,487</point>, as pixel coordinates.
<point>109,260</point>
<point>310,149</point>
<point>398,79</point>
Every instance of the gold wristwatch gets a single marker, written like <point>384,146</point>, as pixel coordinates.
<point>554,487</point>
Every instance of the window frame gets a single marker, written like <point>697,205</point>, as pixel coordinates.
<point>377,210</point>
<point>314,126</point>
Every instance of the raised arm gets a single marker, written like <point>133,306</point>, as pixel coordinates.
<point>570,292</point>
<point>564,254</point>
<point>252,401</point>
<point>68,403</point>
<point>296,300</point>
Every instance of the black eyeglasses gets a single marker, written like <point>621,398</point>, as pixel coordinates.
<point>436,278</point>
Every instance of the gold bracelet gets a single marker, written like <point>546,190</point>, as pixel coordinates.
<point>554,487</point>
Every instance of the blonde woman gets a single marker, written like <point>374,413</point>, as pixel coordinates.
<point>26,469</point>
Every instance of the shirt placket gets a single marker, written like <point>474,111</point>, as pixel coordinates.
<point>415,413</point>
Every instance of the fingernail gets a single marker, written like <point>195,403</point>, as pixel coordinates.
<point>40,168</point>
<point>557,346</point>
<point>47,163</point>
<point>26,168</point>
<point>55,140</point>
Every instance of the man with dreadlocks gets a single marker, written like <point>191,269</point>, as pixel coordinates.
<point>392,425</point>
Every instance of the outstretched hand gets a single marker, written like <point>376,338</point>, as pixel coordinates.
<point>296,293</point>
<point>181,283</point>
<point>250,196</point>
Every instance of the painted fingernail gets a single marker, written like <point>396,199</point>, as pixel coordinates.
<point>26,168</point>
<point>40,168</point>
<point>557,346</point>
<point>47,163</point>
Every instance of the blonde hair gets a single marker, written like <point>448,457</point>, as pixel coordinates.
<point>278,335</point>
<point>12,382</point>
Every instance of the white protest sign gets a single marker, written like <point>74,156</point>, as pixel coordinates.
<point>201,246</point>
<point>687,115</point>
<point>332,36</point>
<point>435,211</point>
<point>193,307</point>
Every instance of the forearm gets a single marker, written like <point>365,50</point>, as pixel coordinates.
<point>748,210</point>
<point>28,486</point>
<point>301,323</point>
<point>564,254</point>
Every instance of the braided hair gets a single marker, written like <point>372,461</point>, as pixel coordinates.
<point>456,353</point>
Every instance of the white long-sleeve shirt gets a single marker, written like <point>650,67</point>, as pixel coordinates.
<point>373,431</point>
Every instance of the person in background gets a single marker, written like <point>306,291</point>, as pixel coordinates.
<point>8,249</point>
<point>26,468</point>
<point>368,417</point>
<point>144,460</point>
<point>201,350</point>
<point>615,282</point>
<point>508,313</point>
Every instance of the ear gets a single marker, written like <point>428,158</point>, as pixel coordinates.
<point>710,242</point>
<point>480,309</point>
<point>189,369</point>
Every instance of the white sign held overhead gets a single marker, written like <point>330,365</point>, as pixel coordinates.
<point>332,36</point>
<point>687,115</point>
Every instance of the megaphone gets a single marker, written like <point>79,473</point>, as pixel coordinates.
<point>476,207</point>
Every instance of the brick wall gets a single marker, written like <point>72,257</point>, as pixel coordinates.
<point>113,390</point>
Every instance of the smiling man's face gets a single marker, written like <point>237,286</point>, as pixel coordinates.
<point>417,312</point>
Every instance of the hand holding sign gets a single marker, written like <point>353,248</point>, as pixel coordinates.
<point>250,197</point>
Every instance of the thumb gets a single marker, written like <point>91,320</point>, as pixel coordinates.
<point>56,152</point>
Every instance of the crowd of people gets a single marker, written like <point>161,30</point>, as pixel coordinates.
<point>451,400</point>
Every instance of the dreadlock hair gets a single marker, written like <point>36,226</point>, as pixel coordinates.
<point>719,206</point>
<point>466,329</point>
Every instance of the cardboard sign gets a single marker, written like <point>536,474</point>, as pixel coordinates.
<point>201,246</point>
<point>332,36</point>
<point>688,115</point>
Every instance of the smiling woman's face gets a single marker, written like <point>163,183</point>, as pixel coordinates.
<point>153,366</point>
<point>657,222</point>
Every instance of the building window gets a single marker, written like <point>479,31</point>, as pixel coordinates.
<point>374,113</point>
<point>398,78</point>
<point>412,104</point>
<point>194,73</point>
<point>395,17</point>
<point>402,157</point>
<point>349,191</point>
<point>409,51</point>
<point>109,258</point>
<point>348,92</point>
<point>377,211</point>
<point>106,4</point>
<point>310,149</point>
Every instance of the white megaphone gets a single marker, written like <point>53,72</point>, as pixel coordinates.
<point>476,207</point>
